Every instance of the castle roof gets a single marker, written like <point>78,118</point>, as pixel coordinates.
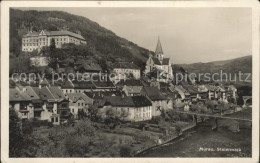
<point>55,33</point>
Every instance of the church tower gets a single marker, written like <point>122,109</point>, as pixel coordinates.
<point>159,51</point>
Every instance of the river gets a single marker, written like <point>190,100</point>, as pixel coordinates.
<point>203,142</point>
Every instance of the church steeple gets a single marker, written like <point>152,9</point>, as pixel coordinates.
<point>158,50</point>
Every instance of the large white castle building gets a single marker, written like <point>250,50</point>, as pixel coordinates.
<point>36,40</point>
<point>160,63</point>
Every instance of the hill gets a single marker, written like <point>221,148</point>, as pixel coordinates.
<point>103,44</point>
<point>243,64</point>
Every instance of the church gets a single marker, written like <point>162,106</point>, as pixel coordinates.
<point>159,63</point>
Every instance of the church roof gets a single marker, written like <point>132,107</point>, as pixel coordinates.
<point>164,62</point>
<point>158,49</point>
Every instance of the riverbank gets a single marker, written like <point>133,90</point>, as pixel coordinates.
<point>203,142</point>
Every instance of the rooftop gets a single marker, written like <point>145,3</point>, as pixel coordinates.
<point>127,101</point>
<point>126,65</point>
<point>54,33</point>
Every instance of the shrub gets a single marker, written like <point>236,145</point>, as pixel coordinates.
<point>156,120</point>
<point>76,146</point>
<point>125,151</point>
<point>84,127</point>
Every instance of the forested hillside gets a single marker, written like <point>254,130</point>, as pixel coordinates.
<point>102,44</point>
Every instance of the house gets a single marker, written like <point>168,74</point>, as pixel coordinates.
<point>185,95</point>
<point>159,102</point>
<point>55,106</point>
<point>231,93</point>
<point>128,82</point>
<point>132,90</point>
<point>103,84</point>
<point>98,96</point>
<point>126,70</point>
<point>36,102</point>
<point>210,89</point>
<point>193,91</point>
<point>131,108</point>
<point>20,101</point>
<point>83,86</point>
<point>78,101</point>
<point>87,66</point>
<point>66,86</point>
<point>36,40</point>
<point>159,63</point>
<point>220,93</point>
<point>39,60</point>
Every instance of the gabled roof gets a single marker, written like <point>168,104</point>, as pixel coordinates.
<point>57,93</point>
<point>133,89</point>
<point>16,95</point>
<point>89,65</point>
<point>49,93</point>
<point>102,83</point>
<point>129,82</point>
<point>43,93</point>
<point>210,87</point>
<point>126,65</point>
<point>158,49</point>
<point>179,88</point>
<point>168,93</point>
<point>191,89</point>
<point>127,101</point>
<point>31,93</point>
<point>83,84</point>
<point>66,84</point>
<point>153,93</point>
<point>76,96</point>
<point>100,94</point>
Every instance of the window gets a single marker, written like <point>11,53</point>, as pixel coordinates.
<point>78,104</point>
<point>57,119</point>
<point>72,110</point>
<point>52,120</point>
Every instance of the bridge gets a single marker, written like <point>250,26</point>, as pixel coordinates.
<point>216,117</point>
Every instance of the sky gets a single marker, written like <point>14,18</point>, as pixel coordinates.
<point>188,35</point>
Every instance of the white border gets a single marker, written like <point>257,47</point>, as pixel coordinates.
<point>5,5</point>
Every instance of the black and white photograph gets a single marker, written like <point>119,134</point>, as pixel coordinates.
<point>130,82</point>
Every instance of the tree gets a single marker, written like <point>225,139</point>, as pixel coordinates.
<point>77,145</point>
<point>52,45</point>
<point>15,136</point>
<point>125,151</point>
<point>21,143</point>
<point>112,117</point>
<point>93,114</point>
<point>84,128</point>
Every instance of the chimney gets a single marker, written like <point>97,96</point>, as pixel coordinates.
<point>40,86</point>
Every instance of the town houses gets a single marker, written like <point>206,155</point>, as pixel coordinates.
<point>137,97</point>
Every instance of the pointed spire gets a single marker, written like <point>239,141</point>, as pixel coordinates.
<point>158,49</point>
